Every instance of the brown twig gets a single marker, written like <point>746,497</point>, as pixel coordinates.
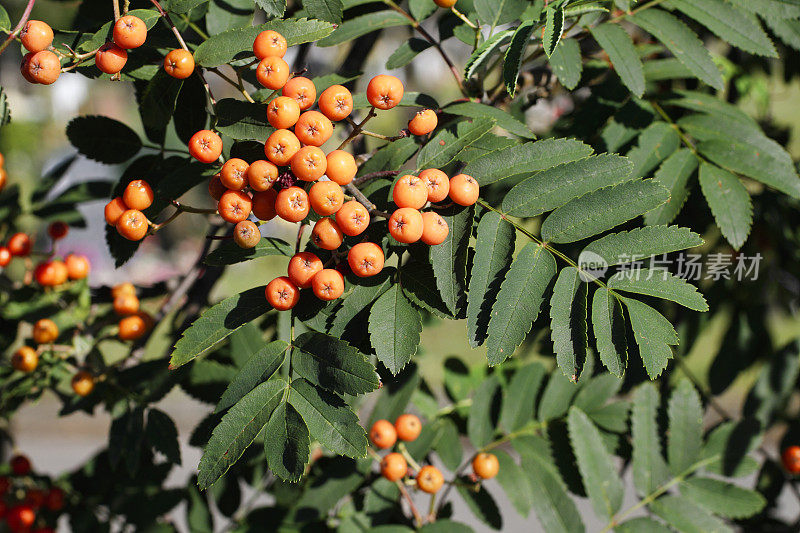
<point>374,175</point>
<point>20,25</point>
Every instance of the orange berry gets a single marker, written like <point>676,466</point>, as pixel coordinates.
<point>336,102</point>
<point>282,294</point>
<point>234,206</point>
<point>25,359</point>
<point>132,328</point>
<point>110,58</point>
<point>264,204</point>
<point>123,288</point>
<point>327,234</point>
<point>341,167</point>
<point>429,479</point>
<point>365,259</point>
<point>179,63</point>
<point>383,434</point>
<point>215,187</point>
<point>408,427</point>
<point>82,384</point>
<point>57,230</point>
<point>424,122</point>
<point>114,210</point>
<point>261,175</point>
<point>45,331</point>
<point>44,67</point>
<point>309,163</point>
<point>77,266</point>
<point>437,183</point>
<point>205,146</point>
<point>313,128</point>
<point>129,32</point>
<point>485,465</point>
<point>791,459</point>
<point>328,284</point>
<point>434,228</point>
<point>20,244</point>
<point>292,204</point>
<point>326,197</point>
<point>283,112</point>
<point>464,190</point>
<point>301,89</point>
<point>234,174</point>
<point>126,304</point>
<point>446,4</point>
<point>405,225</point>
<point>410,191</point>
<point>246,234</point>
<point>281,147</point>
<point>352,218</point>
<point>302,268</point>
<point>394,467</point>
<point>20,518</point>
<point>132,225</point>
<point>25,68</point>
<point>269,43</point>
<point>5,256</point>
<point>272,72</point>
<point>36,35</point>
<point>51,273</point>
<point>138,195</point>
<point>384,91</point>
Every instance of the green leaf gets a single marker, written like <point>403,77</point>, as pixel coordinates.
<point>449,259</point>
<point>420,286</point>
<point>183,6</point>
<point>513,481</point>
<point>406,52</point>
<point>483,413</point>
<point>641,525</point>
<point>163,435</point>
<point>327,10</point>
<point>723,498</point>
<point>443,526</point>
<point>519,301</point>
<point>660,284</point>
<point>685,516</point>
<point>448,143</point>
<point>602,210</point>
<point>224,47</point>
<point>286,443</point>
<point>654,335</point>
<point>217,322</point>
<point>419,9</point>
<point>673,175</point>
<point>554,508</point>
<point>329,419</point>
<point>608,325</point>
<point>596,465</point>
<point>493,250</point>
<point>617,43</point>
<point>519,398</point>
<point>596,392</point>
<point>241,120</point>
<point>567,63</point>
<point>641,243</point>
<point>526,158</point>
<point>729,202</point>
<point>497,12</point>
<point>656,143</point>
<point>483,55</point>
<point>685,427</point>
<point>649,468</point>
<point>362,25</point>
<point>259,367</point>
<point>224,15</point>
<point>237,430</point>
<point>229,253</point>
<point>448,444</point>
<point>553,28</point>
<point>568,328</point>
<point>512,62</point>
<point>735,26</point>
<point>103,139</point>
<point>5,20</point>
<point>359,299</point>
<point>555,186</point>
<point>482,505</point>
<point>502,118</point>
<point>333,364</point>
<point>728,446</point>
<point>682,42</point>
<point>273,8</point>
<point>394,328</point>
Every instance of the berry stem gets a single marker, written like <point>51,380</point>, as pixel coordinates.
<point>190,209</point>
<point>373,175</point>
<point>115,3</point>
<point>357,127</point>
<point>13,35</point>
<point>411,505</point>
<point>238,84</point>
<point>404,452</point>
<point>463,17</point>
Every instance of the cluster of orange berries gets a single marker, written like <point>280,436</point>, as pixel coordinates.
<point>394,465</point>
<point>125,212</point>
<point>51,272</point>
<point>21,499</point>
<point>134,322</point>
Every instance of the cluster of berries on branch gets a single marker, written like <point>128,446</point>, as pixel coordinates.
<point>29,503</point>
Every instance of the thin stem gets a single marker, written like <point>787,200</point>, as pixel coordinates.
<point>190,209</point>
<point>238,84</point>
<point>194,26</point>
<point>410,460</point>
<point>637,10</point>
<point>20,25</point>
<point>116,9</point>
<point>356,127</point>
<point>155,227</point>
<point>374,175</point>
<point>411,505</point>
<point>463,17</point>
